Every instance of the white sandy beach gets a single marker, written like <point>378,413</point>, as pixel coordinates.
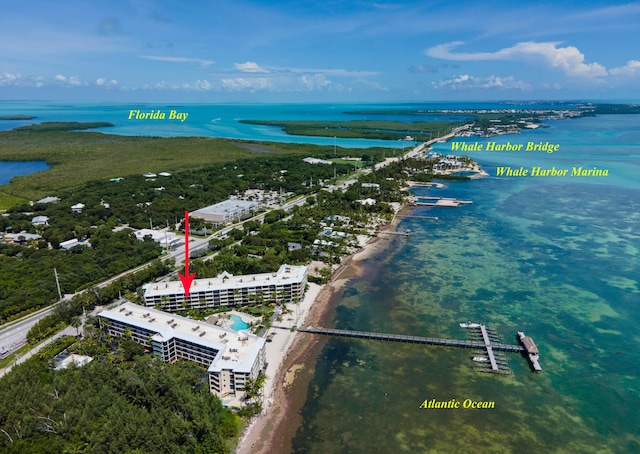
<point>283,337</point>
<point>276,352</point>
<point>282,345</point>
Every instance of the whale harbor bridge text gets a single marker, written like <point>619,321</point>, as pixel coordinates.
<point>494,146</point>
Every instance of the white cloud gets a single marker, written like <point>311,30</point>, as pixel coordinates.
<point>313,83</point>
<point>246,84</point>
<point>467,82</point>
<point>630,69</point>
<point>250,67</point>
<point>569,59</point>
<point>331,72</point>
<point>178,59</point>
<point>103,82</point>
<point>59,80</point>
<point>201,85</point>
<point>422,69</point>
<point>13,79</point>
<point>198,85</point>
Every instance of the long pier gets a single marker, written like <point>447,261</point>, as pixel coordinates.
<point>485,340</point>
<point>412,339</point>
<point>392,232</point>
<point>441,202</point>
<point>489,347</point>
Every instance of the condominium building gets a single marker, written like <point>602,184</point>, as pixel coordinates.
<point>286,285</point>
<point>228,211</point>
<point>231,357</point>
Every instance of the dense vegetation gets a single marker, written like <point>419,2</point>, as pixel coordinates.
<point>17,117</point>
<point>264,247</point>
<point>602,109</point>
<point>367,129</point>
<point>80,157</point>
<point>120,402</point>
<point>28,281</point>
<point>50,126</point>
<point>67,312</point>
<point>28,272</point>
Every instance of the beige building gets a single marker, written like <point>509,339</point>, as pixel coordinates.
<point>286,285</point>
<point>228,211</point>
<point>231,357</point>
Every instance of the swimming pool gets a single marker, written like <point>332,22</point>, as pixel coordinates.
<point>238,323</point>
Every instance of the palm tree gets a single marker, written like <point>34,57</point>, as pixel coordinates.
<point>76,322</point>
<point>77,447</point>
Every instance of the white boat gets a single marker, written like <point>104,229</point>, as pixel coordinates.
<point>469,325</point>
<point>480,359</point>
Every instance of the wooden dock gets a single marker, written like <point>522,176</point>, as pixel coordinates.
<point>411,339</point>
<point>532,351</point>
<point>411,216</point>
<point>489,348</point>
<point>486,341</point>
<point>446,202</point>
<point>393,232</point>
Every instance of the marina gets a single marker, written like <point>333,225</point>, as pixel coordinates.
<point>484,340</point>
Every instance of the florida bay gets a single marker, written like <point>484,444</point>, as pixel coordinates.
<point>554,257</point>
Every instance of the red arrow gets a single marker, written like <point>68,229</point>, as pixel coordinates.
<point>186,278</point>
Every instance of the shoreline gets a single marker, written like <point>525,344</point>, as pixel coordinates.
<point>274,428</point>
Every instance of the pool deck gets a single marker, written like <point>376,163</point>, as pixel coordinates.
<point>226,321</point>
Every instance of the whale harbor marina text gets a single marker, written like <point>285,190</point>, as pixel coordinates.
<point>494,146</point>
<point>135,114</point>
<point>550,172</point>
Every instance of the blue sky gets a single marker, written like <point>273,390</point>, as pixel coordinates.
<point>310,51</point>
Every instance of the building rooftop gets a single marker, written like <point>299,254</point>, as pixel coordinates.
<point>65,360</point>
<point>285,274</point>
<point>48,200</point>
<point>237,350</point>
<point>228,206</point>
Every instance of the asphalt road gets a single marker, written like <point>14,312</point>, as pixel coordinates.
<point>14,334</point>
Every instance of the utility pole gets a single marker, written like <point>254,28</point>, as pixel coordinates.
<point>55,273</point>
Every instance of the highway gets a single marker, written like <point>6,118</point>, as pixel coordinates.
<point>14,334</point>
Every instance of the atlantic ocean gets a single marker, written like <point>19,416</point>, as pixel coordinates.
<point>556,258</point>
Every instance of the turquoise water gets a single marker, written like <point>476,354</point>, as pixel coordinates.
<point>557,258</point>
<point>10,169</point>
<point>238,323</point>
<point>221,120</point>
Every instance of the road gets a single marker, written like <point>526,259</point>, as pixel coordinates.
<point>69,331</point>
<point>14,334</point>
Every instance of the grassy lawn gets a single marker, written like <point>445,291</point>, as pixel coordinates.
<point>357,164</point>
<point>8,200</point>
